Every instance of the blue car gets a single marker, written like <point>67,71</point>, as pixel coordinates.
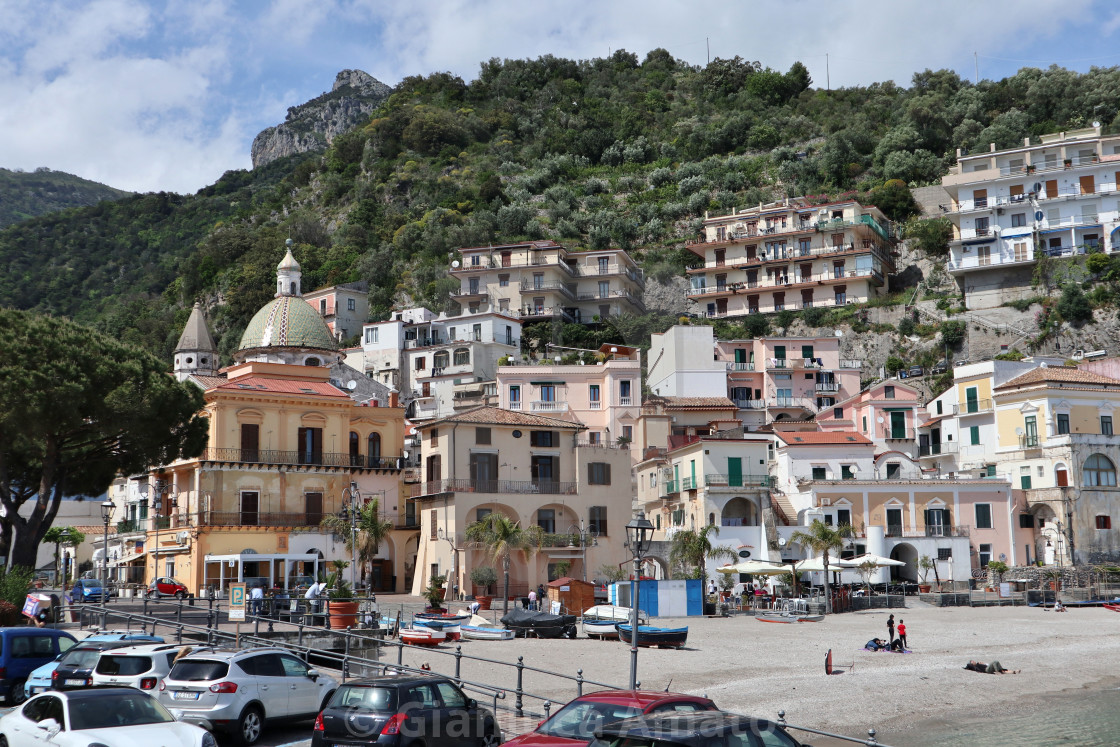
<point>40,679</point>
<point>87,590</point>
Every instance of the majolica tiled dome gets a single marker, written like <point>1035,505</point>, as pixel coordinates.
<point>287,322</point>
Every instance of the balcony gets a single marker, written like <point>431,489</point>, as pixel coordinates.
<point>259,519</point>
<point>469,294</point>
<point>689,483</point>
<point>438,487</point>
<point>716,481</point>
<point>411,475</point>
<point>541,406</point>
<point>314,459</point>
<point>897,434</point>
<point>750,404</point>
<point>973,407</point>
<point>740,366</point>
<point>827,387</point>
<point>625,401</point>
<point>529,286</point>
<point>128,526</point>
<point>1029,441</point>
<point>670,488</point>
<point>552,539</point>
<point>851,364</point>
<point>933,450</point>
<point>161,522</point>
<point>791,402</point>
<point>930,531</point>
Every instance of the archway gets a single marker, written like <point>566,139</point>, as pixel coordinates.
<point>739,512</point>
<point>908,554</point>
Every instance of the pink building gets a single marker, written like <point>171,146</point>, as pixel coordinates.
<point>886,413</point>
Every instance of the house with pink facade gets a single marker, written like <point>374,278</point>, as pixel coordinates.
<point>886,413</point>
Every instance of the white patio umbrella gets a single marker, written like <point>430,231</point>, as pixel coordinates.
<point>817,564</point>
<point>755,567</point>
<point>878,560</point>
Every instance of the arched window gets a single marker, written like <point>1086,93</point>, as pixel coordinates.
<point>353,447</point>
<point>462,356</point>
<point>312,362</point>
<point>711,519</point>
<point>1099,471</point>
<point>373,445</point>
<point>440,359</point>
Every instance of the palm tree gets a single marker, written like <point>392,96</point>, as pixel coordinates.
<point>691,548</point>
<point>369,532</point>
<point>821,538</point>
<point>68,536</point>
<point>500,538</point>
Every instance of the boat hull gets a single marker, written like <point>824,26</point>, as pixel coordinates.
<point>790,618</point>
<point>472,633</point>
<point>601,628</point>
<point>452,630</point>
<point>655,637</point>
<point>442,616</point>
<point>422,637</point>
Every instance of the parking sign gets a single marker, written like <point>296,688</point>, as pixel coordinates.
<point>237,602</point>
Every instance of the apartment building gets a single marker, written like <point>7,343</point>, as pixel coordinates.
<point>440,363</point>
<point>535,469</point>
<point>345,307</point>
<point>719,479</point>
<point>790,255</point>
<point>1057,198</point>
<point>542,280</point>
<point>602,391</point>
<point>665,420</point>
<point>768,379</point>
<point>887,413</point>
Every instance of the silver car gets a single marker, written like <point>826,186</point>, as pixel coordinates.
<point>142,667</point>
<point>239,691</point>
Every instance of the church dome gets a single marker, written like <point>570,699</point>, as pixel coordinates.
<point>287,322</point>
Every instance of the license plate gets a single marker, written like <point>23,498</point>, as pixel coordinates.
<point>185,695</point>
<point>75,683</point>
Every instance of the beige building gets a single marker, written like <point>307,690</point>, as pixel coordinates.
<point>535,470</point>
<point>790,255</point>
<point>542,280</point>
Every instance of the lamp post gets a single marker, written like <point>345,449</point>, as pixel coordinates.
<point>450,539</point>
<point>639,536</point>
<point>584,537</point>
<point>351,509</point>
<point>106,514</point>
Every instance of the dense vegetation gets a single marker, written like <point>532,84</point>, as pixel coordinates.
<point>616,151</point>
<point>25,194</point>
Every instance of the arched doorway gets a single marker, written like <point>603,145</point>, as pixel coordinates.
<point>908,554</point>
<point>739,512</point>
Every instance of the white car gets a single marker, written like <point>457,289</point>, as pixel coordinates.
<point>109,716</point>
<point>142,667</point>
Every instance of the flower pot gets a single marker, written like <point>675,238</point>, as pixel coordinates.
<point>343,615</point>
<point>924,588</point>
<point>483,601</point>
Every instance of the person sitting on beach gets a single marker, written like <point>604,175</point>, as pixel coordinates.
<point>1058,606</point>
<point>876,644</point>
<point>896,645</point>
<point>994,668</point>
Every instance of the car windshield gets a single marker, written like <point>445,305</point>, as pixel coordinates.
<point>125,665</point>
<point>365,698</point>
<point>198,670</point>
<point>125,709</point>
<point>80,658</point>
<point>579,719</point>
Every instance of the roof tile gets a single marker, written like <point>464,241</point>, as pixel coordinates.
<point>486,415</point>
<point>283,386</point>
<point>1064,374</point>
<point>823,438</point>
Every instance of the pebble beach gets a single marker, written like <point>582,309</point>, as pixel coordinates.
<point>750,667</point>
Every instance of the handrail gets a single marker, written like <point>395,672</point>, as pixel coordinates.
<point>870,741</point>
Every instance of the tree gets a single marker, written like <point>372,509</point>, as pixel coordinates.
<point>501,538</point>
<point>365,537</point>
<point>866,569</point>
<point>821,538</point>
<point>76,408</point>
<point>932,236</point>
<point>59,536</point>
<point>1073,306</point>
<point>691,548</point>
<point>894,199</point>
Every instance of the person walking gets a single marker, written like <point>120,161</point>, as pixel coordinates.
<point>533,599</point>
<point>890,629</point>
<point>256,600</point>
<point>902,633</point>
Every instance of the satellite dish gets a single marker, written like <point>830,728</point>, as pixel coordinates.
<point>879,419</point>
<point>838,332</point>
<point>351,385</point>
<point>781,542</point>
<point>1095,124</point>
<point>1018,431</point>
<point>455,264</point>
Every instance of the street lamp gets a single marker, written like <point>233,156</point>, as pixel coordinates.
<point>351,510</point>
<point>106,514</point>
<point>584,537</point>
<point>450,539</point>
<point>639,536</point>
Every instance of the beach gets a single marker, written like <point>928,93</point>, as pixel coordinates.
<point>758,669</point>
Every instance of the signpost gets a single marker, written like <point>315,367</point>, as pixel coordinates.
<point>237,608</point>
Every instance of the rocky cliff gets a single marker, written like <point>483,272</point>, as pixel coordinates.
<point>313,125</point>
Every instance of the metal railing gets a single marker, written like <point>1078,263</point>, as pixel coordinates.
<point>929,531</point>
<point>550,487</point>
<point>972,407</point>
<point>312,458</point>
<point>945,447</point>
<point>716,480</point>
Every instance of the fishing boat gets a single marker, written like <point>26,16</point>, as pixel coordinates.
<point>459,617</point>
<point>481,629</point>
<point>649,635</point>
<point>601,620</point>
<point>789,618</point>
<point>422,637</point>
<point>526,623</point>
<point>449,628</point>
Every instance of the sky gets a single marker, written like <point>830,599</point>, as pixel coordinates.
<point>151,96</point>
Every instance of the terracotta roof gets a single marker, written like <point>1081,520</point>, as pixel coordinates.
<point>1064,374</point>
<point>703,403</point>
<point>497,416</point>
<point>566,581</point>
<point>210,382</point>
<point>283,386</point>
<point>823,438</point>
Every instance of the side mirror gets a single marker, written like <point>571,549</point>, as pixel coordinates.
<point>313,674</point>
<point>472,703</point>
<point>50,726</point>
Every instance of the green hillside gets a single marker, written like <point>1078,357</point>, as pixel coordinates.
<point>25,194</point>
<point>617,151</point>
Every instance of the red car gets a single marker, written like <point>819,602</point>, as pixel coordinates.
<point>575,723</point>
<point>167,587</point>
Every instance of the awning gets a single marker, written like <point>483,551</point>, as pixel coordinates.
<point>1056,230</point>
<point>977,242</point>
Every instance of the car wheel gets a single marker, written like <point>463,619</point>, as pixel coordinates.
<point>180,595</point>
<point>490,736</point>
<point>249,726</point>
<point>3,741</point>
<point>16,694</point>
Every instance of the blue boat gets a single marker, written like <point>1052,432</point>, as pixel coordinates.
<point>649,635</point>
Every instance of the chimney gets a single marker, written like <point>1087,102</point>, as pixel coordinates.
<point>394,399</point>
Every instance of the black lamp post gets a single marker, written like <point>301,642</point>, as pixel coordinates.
<point>351,511</point>
<point>106,514</point>
<point>639,536</point>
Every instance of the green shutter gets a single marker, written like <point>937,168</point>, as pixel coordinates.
<point>974,435</point>
<point>734,472</point>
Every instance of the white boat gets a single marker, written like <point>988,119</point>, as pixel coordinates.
<point>422,637</point>
<point>601,621</point>
<point>481,629</point>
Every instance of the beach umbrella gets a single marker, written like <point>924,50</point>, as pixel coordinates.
<point>755,567</point>
<point>817,564</point>
<point>878,560</point>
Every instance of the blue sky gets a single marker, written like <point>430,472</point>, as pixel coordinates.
<point>156,95</point>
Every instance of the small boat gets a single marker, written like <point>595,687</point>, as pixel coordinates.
<point>449,628</point>
<point>422,637</point>
<point>789,618</point>
<point>459,617</point>
<point>601,620</point>
<point>649,635</point>
<point>481,629</point>
<point>525,623</point>
<point>1113,607</point>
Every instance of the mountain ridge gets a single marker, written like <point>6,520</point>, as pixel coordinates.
<point>28,194</point>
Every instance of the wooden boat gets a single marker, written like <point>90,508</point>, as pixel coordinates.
<point>1113,607</point>
<point>449,628</point>
<point>459,617</point>
<point>422,637</point>
<point>525,623</point>
<point>789,618</point>
<point>481,629</point>
<point>601,620</point>
<point>649,635</point>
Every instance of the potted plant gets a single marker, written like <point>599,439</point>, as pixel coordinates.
<point>341,606</point>
<point>484,577</point>
<point>925,565</point>
<point>434,593</point>
<point>998,568</point>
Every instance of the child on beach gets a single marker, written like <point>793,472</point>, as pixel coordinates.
<point>890,628</point>
<point>902,632</point>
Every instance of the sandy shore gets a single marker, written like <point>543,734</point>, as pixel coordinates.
<point>750,667</point>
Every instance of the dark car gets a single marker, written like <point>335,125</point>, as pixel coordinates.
<point>575,723</point>
<point>23,650</point>
<point>404,710</point>
<point>712,729</point>
<point>75,668</point>
<point>167,587</point>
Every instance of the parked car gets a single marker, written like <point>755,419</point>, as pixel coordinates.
<point>75,668</point>
<point>575,723</point>
<point>111,716</point>
<point>694,730</point>
<point>939,368</point>
<point>22,650</point>
<point>166,587</point>
<point>40,679</point>
<point>403,710</point>
<point>240,691</point>
<point>916,372</point>
<point>87,590</point>
<point>142,667</point>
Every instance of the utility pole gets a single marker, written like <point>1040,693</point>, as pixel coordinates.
<point>976,62</point>
<point>708,44</point>
<point>827,74</point>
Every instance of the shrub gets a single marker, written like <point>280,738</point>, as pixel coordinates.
<point>1073,306</point>
<point>953,333</point>
<point>660,177</point>
<point>784,319</point>
<point>815,316</point>
<point>9,614</point>
<point>1097,263</point>
<point>907,326</point>
<point>895,364</point>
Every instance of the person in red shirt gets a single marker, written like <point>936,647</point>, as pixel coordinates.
<point>902,633</point>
